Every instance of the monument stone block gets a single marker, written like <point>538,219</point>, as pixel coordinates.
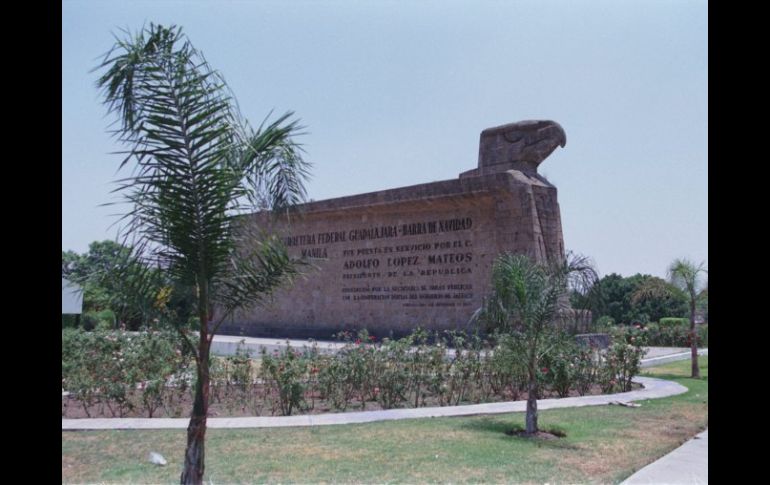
<point>393,260</point>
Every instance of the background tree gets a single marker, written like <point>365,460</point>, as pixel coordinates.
<point>627,299</point>
<point>113,280</point>
<point>686,275</point>
<point>684,279</point>
<point>198,165</point>
<point>527,298</point>
<point>703,302</point>
<point>670,301</point>
<point>70,261</point>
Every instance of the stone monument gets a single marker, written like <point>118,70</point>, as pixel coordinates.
<point>393,260</point>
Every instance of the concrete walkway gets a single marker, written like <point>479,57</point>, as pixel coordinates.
<point>687,464</point>
<point>225,345</point>
<point>664,355</point>
<point>653,389</point>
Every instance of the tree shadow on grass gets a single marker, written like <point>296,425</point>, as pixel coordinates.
<point>503,429</point>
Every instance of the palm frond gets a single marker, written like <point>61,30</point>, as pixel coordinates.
<point>685,274</point>
<point>195,165</point>
<point>529,295</point>
<point>181,129</point>
<point>257,269</point>
<point>273,163</point>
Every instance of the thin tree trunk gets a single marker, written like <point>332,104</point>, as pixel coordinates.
<point>693,341</point>
<point>531,419</point>
<point>195,454</point>
<point>532,404</point>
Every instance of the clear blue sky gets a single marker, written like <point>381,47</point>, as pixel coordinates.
<point>396,94</point>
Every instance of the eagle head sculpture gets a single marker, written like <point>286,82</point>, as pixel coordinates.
<point>519,146</point>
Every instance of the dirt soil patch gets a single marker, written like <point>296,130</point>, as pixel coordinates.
<point>542,434</point>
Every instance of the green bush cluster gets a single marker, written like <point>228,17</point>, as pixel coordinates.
<point>284,375</point>
<point>622,362</point>
<point>148,371</point>
<point>671,322</point>
<point>122,371</point>
<point>571,366</point>
<point>413,372</point>
<point>656,335</point>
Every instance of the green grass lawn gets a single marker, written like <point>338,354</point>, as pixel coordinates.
<point>603,444</point>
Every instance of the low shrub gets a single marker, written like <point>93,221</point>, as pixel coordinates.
<point>89,320</point>
<point>703,335</point>
<point>69,321</point>
<point>285,376</point>
<point>504,368</point>
<point>621,363</point>
<point>146,372</point>
<point>631,334</point>
<point>671,322</point>
<point>587,365</point>
<point>107,319</point>
<point>604,322</point>
<point>656,335</point>
<point>107,368</point>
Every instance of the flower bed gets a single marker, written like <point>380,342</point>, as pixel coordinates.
<point>148,375</point>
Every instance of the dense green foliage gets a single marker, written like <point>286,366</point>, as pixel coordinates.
<point>673,322</point>
<point>702,305</point>
<point>125,371</point>
<point>655,335</point>
<point>148,373</point>
<point>619,298</point>
<point>119,290</point>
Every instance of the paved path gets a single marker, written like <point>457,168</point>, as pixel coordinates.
<point>652,352</point>
<point>663,355</point>
<point>653,389</point>
<point>687,464</point>
<point>227,345</point>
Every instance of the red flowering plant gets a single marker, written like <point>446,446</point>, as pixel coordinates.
<point>335,382</point>
<point>390,372</point>
<point>560,372</point>
<point>286,378</point>
<point>505,370</point>
<point>124,372</point>
<point>466,373</point>
<point>351,372</point>
<point>621,363</point>
<point>586,368</point>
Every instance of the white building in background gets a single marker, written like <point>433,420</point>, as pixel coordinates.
<point>71,298</point>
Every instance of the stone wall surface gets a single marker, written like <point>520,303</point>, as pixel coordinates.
<point>393,260</point>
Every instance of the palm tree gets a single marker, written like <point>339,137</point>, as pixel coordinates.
<point>685,275</point>
<point>197,167</point>
<point>527,299</point>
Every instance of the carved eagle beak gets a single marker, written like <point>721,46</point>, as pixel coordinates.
<point>558,133</point>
